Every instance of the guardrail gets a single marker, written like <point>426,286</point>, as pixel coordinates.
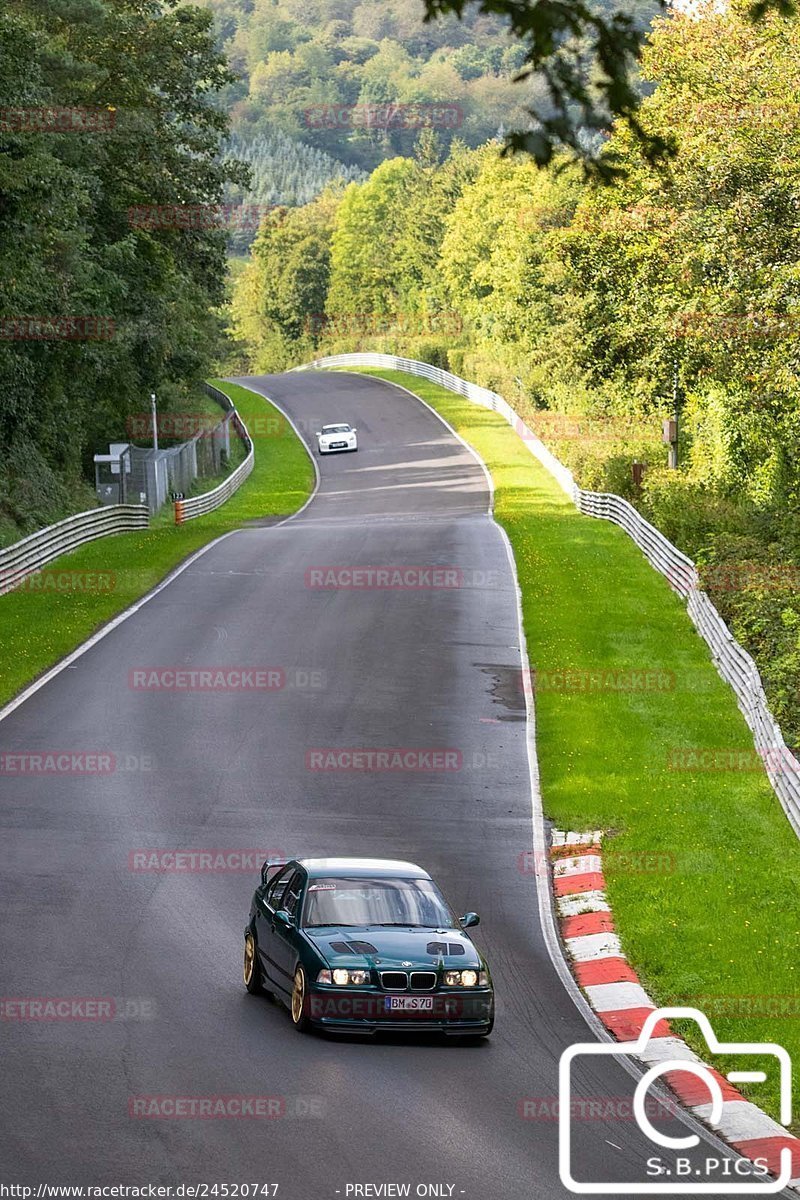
<point>198,506</point>
<point>25,557</point>
<point>731,660</point>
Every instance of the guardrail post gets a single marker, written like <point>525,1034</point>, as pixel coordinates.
<point>178,512</point>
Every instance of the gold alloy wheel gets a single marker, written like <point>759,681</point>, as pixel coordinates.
<point>249,959</point>
<point>298,995</point>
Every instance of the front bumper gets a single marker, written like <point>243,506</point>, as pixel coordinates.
<point>451,1012</point>
<point>338,448</point>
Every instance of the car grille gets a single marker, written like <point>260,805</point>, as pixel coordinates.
<point>394,981</point>
<point>399,981</point>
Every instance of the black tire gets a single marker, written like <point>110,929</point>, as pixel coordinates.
<point>298,1002</point>
<point>251,971</point>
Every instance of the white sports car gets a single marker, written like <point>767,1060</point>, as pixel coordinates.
<point>332,438</point>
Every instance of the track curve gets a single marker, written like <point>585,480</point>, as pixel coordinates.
<point>416,668</point>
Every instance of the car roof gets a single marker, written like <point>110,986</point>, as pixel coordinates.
<point>336,424</point>
<point>383,867</point>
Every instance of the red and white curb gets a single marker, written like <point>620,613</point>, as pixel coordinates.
<point>613,990</point>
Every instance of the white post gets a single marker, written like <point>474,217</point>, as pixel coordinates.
<point>155,420</point>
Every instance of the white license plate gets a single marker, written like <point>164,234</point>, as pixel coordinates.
<point>409,1003</point>
<point>338,445</point>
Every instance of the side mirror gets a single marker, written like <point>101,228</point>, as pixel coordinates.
<point>354,431</point>
<point>470,919</point>
<point>317,433</point>
<point>265,874</point>
<point>282,917</point>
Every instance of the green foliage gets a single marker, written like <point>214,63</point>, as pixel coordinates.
<point>293,59</point>
<point>723,905</point>
<point>284,173</point>
<point>37,628</point>
<point>67,247</point>
<point>584,304</point>
<point>279,298</point>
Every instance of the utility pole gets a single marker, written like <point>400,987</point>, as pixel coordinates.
<point>155,419</point>
<point>676,414</point>
<point>672,425</point>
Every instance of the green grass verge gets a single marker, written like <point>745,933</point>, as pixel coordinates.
<point>37,628</point>
<point>702,867</point>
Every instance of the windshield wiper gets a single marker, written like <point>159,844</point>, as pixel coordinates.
<point>399,925</point>
<point>334,925</point>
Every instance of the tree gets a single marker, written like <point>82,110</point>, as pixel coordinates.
<point>365,272</point>
<point>147,75</point>
<point>586,54</point>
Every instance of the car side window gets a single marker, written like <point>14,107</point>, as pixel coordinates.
<point>292,895</point>
<point>277,887</point>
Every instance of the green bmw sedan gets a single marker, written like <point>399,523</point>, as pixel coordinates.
<point>365,945</point>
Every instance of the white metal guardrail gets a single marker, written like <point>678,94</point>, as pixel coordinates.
<point>731,660</point>
<point>25,557</point>
<point>197,506</point>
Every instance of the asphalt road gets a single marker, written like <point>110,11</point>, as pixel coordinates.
<point>417,668</point>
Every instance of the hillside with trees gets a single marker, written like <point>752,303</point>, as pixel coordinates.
<point>594,308</point>
<point>317,72</point>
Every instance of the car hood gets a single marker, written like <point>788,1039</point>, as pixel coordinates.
<point>388,947</point>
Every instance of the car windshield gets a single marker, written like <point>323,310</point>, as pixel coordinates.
<point>376,902</point>
<point>335,428</point>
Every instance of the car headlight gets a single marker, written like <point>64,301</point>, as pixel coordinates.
<point>466,978</point>
<point>343,978</point>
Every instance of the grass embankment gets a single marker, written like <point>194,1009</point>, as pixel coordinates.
<point>702,867</point>
<point>38,627</point>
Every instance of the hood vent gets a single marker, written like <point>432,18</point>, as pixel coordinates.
<point>445,948</point>
<point>354,948</point>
